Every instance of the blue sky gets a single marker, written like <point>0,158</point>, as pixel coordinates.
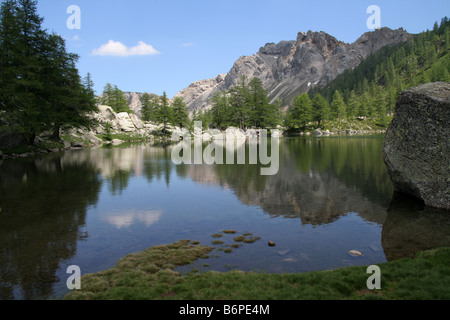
<point>155,46</point>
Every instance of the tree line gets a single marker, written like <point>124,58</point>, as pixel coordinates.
<point>40,87</point>
<point>245,105</point>
<point>156,109</point>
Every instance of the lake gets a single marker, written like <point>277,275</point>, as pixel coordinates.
<point>91,207</point>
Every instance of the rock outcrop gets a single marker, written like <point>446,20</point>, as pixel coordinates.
<point>289,68</point>
<point>417,144</point>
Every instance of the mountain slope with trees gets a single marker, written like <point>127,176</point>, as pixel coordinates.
<point>371,89</point>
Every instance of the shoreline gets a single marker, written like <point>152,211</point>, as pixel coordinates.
<point>150,275</point>
<point>26,151</point>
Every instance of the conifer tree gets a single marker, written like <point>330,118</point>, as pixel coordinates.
<point>338,107</point>
<point>164,115</point>
<point>260,108</point>
<point>146,111</point>
<point>300,113</point>
<point>180,113</point>
<point>40,88</point>
<point>239,104</point>
<point>115,98</point>
<point>321,108</point>
<point>352,105</point>
<point>220,110</point>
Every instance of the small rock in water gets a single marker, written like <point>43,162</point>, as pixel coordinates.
<point>271,244</point>
<point>355,253</point>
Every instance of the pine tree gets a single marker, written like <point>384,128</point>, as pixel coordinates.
<point>164,115</point>
<point>239,104</point>
<point>321,108</point>
<point>363,106</point>
<point>300,113</point>
<point>22,40</point>
<point>119,101</point>
<point>146,111</point>
<point>115,98</point>
<point>70,98</point>
<point>106,98</point>
<point>40,88</point>
<point>352,105</point>
<point>220,110</point>
<point>338,107</point>
<point>180,113</point>
<point>260,108</point>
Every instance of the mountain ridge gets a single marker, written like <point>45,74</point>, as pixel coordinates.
<point>289,68</point>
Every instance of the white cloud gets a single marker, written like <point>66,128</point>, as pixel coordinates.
<point>188,44</point>
<point>116,48</point>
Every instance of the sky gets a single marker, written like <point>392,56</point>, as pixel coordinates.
<point>161,46</point>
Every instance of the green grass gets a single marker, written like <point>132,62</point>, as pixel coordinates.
<point>336,126</point>
<point>150,275</point>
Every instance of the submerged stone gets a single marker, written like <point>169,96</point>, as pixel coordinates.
<point>355,253</point>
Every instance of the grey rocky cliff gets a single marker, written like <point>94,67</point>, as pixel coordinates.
<point>289,68</point>
<point>417,144</point>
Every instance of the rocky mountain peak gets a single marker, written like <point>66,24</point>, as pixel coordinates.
<point>289,68</point>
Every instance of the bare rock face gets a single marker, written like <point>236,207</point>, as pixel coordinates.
<point>289,68</point>
<point>417,144</point>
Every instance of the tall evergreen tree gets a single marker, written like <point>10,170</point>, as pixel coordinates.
<point>260,108</point>
<point>338,107</point>
<point>301,112</point>
<point>239,104</point>
<point>321,108</point>
<point>150,107</point>
<point>180,113</point>
<point>115,98</point>
<point>352,105</point>
<point>40,88</point>
<point>220,110</point>
<point>164,115</point>
<point>70,98</point>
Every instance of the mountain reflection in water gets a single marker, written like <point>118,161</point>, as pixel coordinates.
<point>92,207</point>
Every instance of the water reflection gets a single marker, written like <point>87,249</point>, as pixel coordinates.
<point>339,183</point>
<point>43,209</point>
<point>411,227</point>
<point>125,219</point>
<point>319,180</point>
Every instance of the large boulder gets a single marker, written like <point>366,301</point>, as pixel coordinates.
<point>124,122</point>
<point>417,144</point>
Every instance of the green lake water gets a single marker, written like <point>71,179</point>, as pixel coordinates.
<point>91,207</point>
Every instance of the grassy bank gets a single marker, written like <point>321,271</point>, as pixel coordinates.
<point>151,275</point>
<point>355,126</point>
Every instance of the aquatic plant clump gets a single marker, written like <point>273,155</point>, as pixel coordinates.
<point>154,265</point>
